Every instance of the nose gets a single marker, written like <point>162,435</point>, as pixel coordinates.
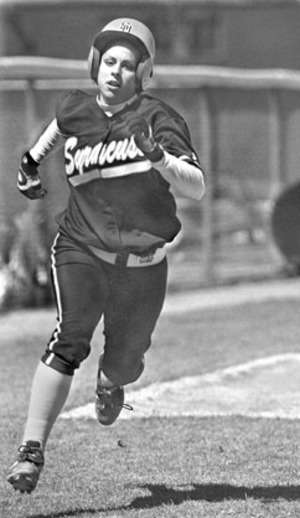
<point>116,70</point>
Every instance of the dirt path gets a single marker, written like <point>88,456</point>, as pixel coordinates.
<point>268,387</point>
<point>232,295</point>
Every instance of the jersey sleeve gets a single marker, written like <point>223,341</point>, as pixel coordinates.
<point>180,165</point>
<point>173,134</point>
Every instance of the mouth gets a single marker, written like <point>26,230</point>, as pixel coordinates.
<point>114,84</point>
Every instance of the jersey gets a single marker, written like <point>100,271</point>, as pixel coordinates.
<point>118,200</point>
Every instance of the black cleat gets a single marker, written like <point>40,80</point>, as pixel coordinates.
<point>108,403</point>
<point>24,473</point>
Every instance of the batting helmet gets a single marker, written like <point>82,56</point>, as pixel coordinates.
<point>130,30</point>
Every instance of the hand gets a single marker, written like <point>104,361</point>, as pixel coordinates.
<point>143,137</point>
<point>29,182</point>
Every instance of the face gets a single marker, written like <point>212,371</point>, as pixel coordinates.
<point>117,74</point>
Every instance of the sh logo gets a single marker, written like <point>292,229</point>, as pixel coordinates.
<point>126,27</point>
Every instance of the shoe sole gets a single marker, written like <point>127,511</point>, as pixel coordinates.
<point>23,482</point>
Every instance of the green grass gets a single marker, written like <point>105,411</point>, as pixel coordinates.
<point>160,467</point>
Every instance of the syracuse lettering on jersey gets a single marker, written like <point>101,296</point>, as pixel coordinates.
<point>80,160</point>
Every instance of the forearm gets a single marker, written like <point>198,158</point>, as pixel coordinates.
<point>46,143</point>
<point>186,178</point>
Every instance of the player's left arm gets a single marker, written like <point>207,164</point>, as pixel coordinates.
<point>185,176</point>
<point>170,151</point>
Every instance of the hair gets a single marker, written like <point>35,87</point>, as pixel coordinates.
<point>134,45</point>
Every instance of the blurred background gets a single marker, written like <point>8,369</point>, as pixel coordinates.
<point>231,67</point>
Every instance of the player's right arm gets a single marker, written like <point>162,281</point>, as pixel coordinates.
<point>29,182</point>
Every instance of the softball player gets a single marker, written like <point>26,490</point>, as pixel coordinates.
<point>125,151</point>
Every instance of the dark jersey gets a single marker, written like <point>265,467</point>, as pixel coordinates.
<point>118,199</point>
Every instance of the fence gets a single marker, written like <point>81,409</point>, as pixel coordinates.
<point>242,123</point>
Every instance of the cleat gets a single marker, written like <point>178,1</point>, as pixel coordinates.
<point>24,473</point>
<point>108,403</point>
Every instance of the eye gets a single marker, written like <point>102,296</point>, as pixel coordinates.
<point>129,66</point>
<point>109,62</point>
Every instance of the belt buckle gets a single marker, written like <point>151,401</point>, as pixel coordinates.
<point>147,258</point>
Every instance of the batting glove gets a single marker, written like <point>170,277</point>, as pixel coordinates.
<point>29,182</point>
<point>143,137</point>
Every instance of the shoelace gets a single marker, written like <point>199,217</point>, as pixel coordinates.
<point>106,392</point>
<point>26,453</point>
<point>126,406</point>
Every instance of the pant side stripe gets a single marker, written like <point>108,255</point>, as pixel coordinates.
<point>58,298</point>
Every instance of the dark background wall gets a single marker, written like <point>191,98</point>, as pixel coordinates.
<point>254,34</point>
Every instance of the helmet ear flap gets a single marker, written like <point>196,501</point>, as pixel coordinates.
<point>144,73</point>
<point>94,59</point>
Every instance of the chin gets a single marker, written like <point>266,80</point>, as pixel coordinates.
<point>112,98</point>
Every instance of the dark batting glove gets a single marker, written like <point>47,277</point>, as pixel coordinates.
<point>29,182</point>
<point>143,137</point>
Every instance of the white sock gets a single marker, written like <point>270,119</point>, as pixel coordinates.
<point>49,392</point>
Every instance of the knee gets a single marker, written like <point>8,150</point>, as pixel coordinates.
<point>65,353</point>
<point>123,371</point>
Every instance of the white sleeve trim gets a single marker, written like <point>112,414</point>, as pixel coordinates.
<point>46,142</point>
<point>186,178</point>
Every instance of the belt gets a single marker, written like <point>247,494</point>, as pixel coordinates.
<point>130,260</point>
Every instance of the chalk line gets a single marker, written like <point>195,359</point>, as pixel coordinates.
<point>264,387</point>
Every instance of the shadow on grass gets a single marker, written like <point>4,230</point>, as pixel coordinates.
<point>160,494</point>
<point>213,493</point>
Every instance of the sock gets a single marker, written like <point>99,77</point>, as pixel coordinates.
<point>49,392</point>
<point>105,381</point>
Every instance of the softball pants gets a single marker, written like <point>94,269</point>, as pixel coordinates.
<point>86,289</point>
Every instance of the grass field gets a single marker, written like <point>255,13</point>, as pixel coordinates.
<point>189,466</point>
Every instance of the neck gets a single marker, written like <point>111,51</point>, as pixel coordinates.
<point>111,109</point>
